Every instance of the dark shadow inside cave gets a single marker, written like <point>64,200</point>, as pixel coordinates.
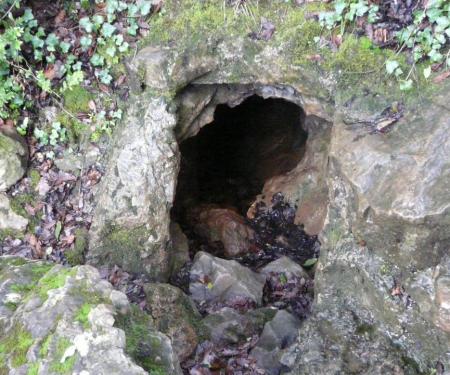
<point>229,160</point>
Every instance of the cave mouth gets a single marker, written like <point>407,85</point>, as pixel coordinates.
<point>228,161</point>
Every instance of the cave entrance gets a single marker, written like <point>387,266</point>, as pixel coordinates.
<point>228,161</point>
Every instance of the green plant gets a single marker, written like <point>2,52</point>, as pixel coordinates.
<point>24,43</point>
<point>427,37</point>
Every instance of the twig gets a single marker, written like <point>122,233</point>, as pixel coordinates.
<point>9,10</point>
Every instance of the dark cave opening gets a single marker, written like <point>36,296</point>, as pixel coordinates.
<point>228,161</point>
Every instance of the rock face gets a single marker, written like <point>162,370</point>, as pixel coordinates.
<point>13,158</point>
<point>176,316</point>
<point>379,199</point>
<point>215,280</point>
<point>57,320</point>
<point>131,222</point>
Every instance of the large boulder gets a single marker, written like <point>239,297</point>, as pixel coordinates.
<point>382,278</point>
<point>131,222</point>
<point>57,320</point>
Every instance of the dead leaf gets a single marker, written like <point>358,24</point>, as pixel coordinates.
<point>441,77</point>
<point>60,17</point>
<point>50,72</point>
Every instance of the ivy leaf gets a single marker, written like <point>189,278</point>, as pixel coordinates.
<point>108,30</point>
<point>97,60</point>
<point>310,262</point>
<point>51,42</point>
<point>86,24</point>
<point>145,8</point>
<point>406,85</point>
<point>43,82</point>
<point>391,66</point>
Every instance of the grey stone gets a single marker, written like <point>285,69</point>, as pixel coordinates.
<point>227,326</point>
<point>13,158</point>
<point>219,280</point>
<point>278,334</point>
<point>9,220</point>
<point>286,266</point>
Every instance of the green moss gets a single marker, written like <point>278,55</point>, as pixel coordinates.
<point>53,280</point>
<point>35,177</point>
<point>77,99</point>
<point>15,345</point>
<point>140,342</point>
<point>33,369</point>
<point>45,346</point>
<point>19,201</point>
<point>18,204</point>
<point>5,233</point>
<point>75,256</point>
<point>124,246</point>
<point>75,128</point>
<point>83,313</point>
<point>66,366</point>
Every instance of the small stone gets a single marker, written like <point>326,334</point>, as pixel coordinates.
<point>286,266</point>
<point>227,326</point>
<point>120,301</point>
<point>9,220</point>
<point>277,335</point>
<point>219,280</point>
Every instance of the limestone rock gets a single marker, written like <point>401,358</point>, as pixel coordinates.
<point>176,316</point>
<point>131,221</point>
<point>13,158</point>
<point>63,320</point>
<point>9,220</point>
<point>226,226</point>
<point>278,334</point>
<point>215,280</point>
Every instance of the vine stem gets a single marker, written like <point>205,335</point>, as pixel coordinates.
<point>9,10</point>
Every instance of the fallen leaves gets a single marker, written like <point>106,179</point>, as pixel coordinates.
<point>441,77</point>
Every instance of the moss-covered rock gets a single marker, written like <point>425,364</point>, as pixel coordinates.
<point>175,314</point>
<point>63,322</point>
<point>75,256</point>
<point>13,158</point>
